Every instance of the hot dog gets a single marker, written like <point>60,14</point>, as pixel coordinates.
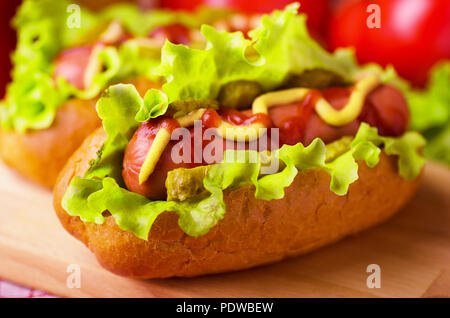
<point>61,71</point>
<point>296,122</point>
<point>231,165</point>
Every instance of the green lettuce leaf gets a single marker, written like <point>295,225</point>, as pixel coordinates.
<point>32,98</point>
<point>31,103</point>
<point>142,23</point>
<point>52,15</point>
<point>137,60</point>
<point>121,109</point>
<point>410,161</point>
<point>438,145</point>
<point>430,112</point>
<point>198,74</point>
<point>280,47</point>
<point>111,62</point>
<point>159,103</point>
<point>431,107</point>
<point>114,108</point>
<point>90,197</point>
<point>43,33</point>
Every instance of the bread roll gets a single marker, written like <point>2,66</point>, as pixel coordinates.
<point>253,232</point>
<point>41,154</point>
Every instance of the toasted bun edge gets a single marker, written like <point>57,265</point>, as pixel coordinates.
<point>253,232</point>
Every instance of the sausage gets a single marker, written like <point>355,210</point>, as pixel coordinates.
<point>210,151</point>
<point>297,122</point>
<point>253,232</point>
<point>41,154</point>
<point>384,108</point>
<point>387,109</point>
<point>71,65</point>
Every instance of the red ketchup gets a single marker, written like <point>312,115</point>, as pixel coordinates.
<point>212,119</point>
<point>317,128</point>
<point>384,108</point>
<point>239,118</point>
<point>291,119</point>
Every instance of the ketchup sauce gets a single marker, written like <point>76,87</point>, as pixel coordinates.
<point>212,119</point>
<point>384,108</point>
<point>291,119</point>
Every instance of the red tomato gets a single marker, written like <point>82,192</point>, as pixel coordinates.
<point>413,34</point>
<point>317,10</point>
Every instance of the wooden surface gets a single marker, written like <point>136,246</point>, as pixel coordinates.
<point>412,249</point>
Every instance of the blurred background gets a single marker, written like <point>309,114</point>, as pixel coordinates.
<point>412,35</point>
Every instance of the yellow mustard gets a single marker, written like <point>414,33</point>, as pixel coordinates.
<point>262,104</point>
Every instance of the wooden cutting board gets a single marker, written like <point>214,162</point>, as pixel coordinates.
<point>412,250</point>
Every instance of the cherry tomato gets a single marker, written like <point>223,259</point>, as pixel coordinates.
<point>317,10</point>
<point>71,65</point>
<point>413,34</point>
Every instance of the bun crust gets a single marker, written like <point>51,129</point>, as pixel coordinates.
<point>253,232</point>
<point>41,154</point>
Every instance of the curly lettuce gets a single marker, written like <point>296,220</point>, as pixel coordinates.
<point>102,188</point>
<point>430,113</point>
<point>142,23</point>
<point>274,52</point>
<point>33,97</point>
<point>279,48</point>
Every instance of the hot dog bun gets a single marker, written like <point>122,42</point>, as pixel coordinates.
<point>41,154</point>
<point>253,232</point>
